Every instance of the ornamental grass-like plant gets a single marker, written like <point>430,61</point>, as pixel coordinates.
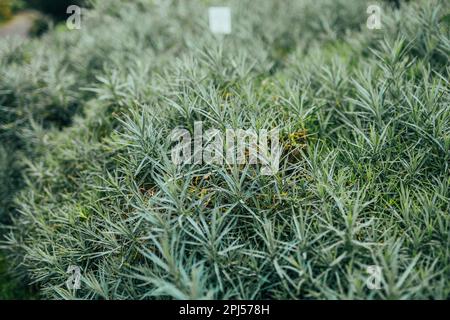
<point>363,119</point>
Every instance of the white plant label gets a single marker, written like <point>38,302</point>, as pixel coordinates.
<point>220,20</point>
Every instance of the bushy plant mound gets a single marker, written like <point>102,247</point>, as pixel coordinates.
<point>363,179</point>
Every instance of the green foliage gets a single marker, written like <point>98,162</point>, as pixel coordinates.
<point>10,7</point>
<point>5,10</point>
<point>10,287</point>
<point>364,177</point>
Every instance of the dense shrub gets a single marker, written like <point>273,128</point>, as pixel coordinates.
<point>364,177</point>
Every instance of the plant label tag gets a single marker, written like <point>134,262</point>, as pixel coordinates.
<point>220,20</point>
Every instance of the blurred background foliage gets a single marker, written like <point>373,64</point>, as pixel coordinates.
<point>12,287</point>
<point>54,8</point>
<point>8,7</point>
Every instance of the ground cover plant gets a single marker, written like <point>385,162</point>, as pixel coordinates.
<point>363,115</point>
